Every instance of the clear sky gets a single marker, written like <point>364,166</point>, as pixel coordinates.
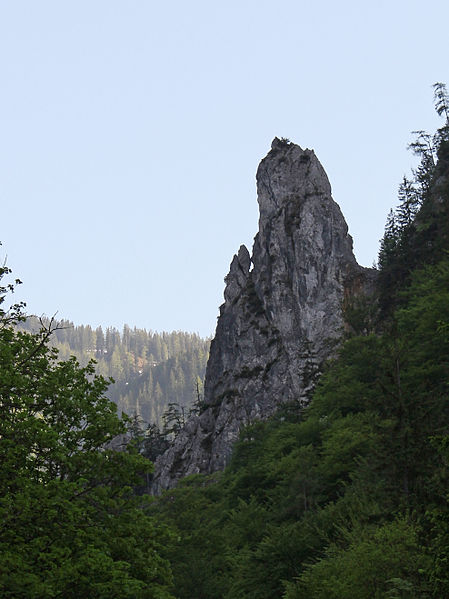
<point>130,134</point>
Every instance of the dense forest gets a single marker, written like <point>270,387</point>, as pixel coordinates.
<point>150,370</point>
<point>347,498</point>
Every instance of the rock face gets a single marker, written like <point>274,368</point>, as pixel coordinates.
<point>282,315</point>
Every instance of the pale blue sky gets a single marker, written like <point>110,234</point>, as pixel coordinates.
<point>130,134</point>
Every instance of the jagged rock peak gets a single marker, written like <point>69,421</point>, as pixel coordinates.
<point>288,171</point>
<point>280,319</point>
<point>238,274</point>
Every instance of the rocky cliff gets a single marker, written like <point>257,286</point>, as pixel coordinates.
<point>282,315</point>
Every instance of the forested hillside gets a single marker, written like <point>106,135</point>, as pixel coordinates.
<point>348,498</point>
<point>150,370</point>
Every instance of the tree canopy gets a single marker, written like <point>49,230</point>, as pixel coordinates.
<point>70,523</point>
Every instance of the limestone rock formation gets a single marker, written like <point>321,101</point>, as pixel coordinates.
<point>282,315</point>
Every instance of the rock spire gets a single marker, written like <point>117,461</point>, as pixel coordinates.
<point>283,312</point>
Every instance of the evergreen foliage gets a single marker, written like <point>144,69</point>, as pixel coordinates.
<point>150,370</point>
<point>417,233</point>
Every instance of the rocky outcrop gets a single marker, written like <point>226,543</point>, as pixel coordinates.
<point>282,315</point>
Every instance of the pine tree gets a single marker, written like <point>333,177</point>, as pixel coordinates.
<point>441,100</point>
<point>409,203</point>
